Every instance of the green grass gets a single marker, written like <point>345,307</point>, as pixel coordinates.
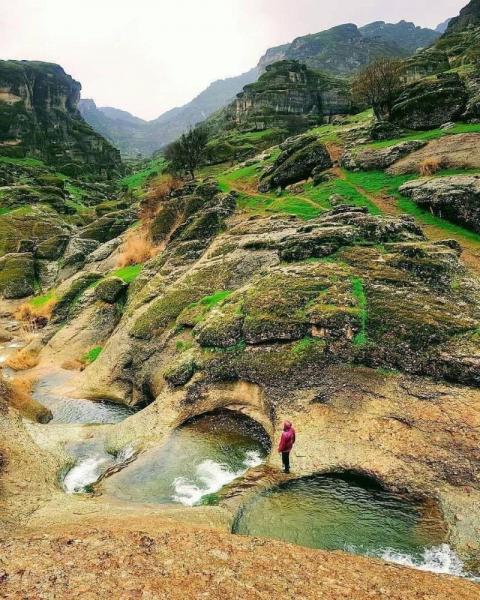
<point>322,193</point>
<point>379,182</point>
<point>137,180</point>
<point>25,162</point>
<point>39,301</point>
<point>128,274</point>
<point>429,135</point>
<point>299,206</point>
<point>92,355</point>
<point>214,299</point>
<point>359,293</point>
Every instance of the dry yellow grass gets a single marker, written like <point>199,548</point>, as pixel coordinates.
<point>18,394</point>
<point>23,359</point>
<point>159,192</point>
<point>136,249</point>
<point>31,314</point>
<point>430,166</point>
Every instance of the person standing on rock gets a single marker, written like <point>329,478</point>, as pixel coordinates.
<point>286,444</point>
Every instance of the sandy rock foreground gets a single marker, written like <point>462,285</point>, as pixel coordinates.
<point>149,558</point>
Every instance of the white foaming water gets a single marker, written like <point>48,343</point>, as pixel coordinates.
<point>90,470</point>
<point>83,474</point>
<point>439,559</point>
<point>212,477</point>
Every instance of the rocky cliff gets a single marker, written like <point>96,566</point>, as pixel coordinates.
<point>289,95</point>
<point>39,118</point>
<point>344,49</point>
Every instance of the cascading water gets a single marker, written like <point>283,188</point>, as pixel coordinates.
<point>210,477</point>
<point>198,459</point>
<point>92,461</point>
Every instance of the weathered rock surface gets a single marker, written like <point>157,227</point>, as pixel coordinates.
<point>110,289</point>
<point>39,117</point>
<point>17,275</point>
<point>460,151</point>
<point>291,96</point>
<point>456,198</point>
<point>300,157</point>
<point>429,103</point>
<point>371,159</point>
<point>155,558</point>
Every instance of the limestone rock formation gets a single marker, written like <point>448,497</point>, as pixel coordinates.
<point>300,157</point>
<point>456,198</point>
<point>370,159</point>
<point>429,103</point>
<point>39,117</point>
<point>291,96</point>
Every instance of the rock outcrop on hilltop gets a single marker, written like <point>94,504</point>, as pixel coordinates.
<point>39,118</point>
<point>288,95</point>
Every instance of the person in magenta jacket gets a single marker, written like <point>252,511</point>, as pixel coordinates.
<point>286,444</point>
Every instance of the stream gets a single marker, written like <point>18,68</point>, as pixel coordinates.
<point>203,455</point>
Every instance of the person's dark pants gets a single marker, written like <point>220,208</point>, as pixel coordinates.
<point>286,461</point>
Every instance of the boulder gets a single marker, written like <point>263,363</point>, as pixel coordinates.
<point>456,198</point>
<point>300,157</point>
<point>52,248</point>
<point>384,130</point>
<point>17,275</point>
<point>110,290</point>
<point>372,159</point>
<point>78,249</point>
<point>109,226</point>
<point>70,297</point>
<point>429,103</point>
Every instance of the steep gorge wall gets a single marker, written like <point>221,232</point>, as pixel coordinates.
<point>39,118</point>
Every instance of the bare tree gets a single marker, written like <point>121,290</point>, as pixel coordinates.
<point>187,153</point>
<point>379,85</point>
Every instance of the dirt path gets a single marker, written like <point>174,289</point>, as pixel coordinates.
<point>389,206</point>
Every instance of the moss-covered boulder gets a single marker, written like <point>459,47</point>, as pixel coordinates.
<point>71,296</point>
<point>110,290</point>
<point>431,102</point>
<point>109,226</point>
<point>370,159</point>
<point>52,248</point>
<point>17,275</point>
<point>456,198</point>
<point>299,158</point>
<point>181,371</point>
<point>37,225</point>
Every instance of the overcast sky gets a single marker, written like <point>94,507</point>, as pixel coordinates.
<point>147,56</point>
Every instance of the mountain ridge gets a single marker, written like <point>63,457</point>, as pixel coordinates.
<point>350,46</point>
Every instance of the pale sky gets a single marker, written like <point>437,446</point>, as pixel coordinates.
<point>147,56</point>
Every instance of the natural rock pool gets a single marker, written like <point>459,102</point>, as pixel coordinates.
<point>76,410</point>
<point>197,460</point>
<point>352,514</point>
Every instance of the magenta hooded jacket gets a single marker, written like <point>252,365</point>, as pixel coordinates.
<point>288,438</point>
